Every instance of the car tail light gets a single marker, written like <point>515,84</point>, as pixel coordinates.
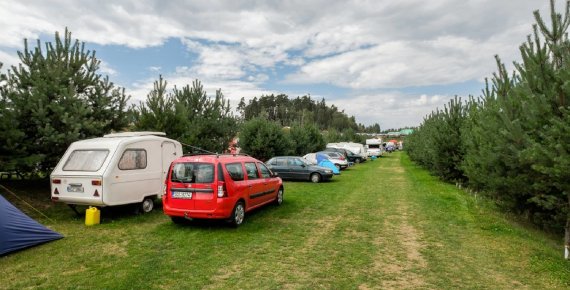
<point>222,189</point>
<point>96,182</point>
<point>56,181</point>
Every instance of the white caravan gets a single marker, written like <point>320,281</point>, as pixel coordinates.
<point>121,168</point>
<point>355,148</point>
<point>374,147</point>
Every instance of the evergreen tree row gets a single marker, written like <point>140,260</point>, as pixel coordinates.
<point>302,110</point>
<point>57,95</point>
<point>513,142</point>
<point>188,115</point>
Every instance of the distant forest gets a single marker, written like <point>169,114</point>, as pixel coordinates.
<point>301,110</point>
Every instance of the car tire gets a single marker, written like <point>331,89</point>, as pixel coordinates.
<point>358,160</point>
<point>147,205</point>
<point>238,214</point>
<point>279,198</point>
<point>315,178</point>
<point>338,166</point>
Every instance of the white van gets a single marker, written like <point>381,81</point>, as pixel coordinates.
<point>374,147</point>
<point>355,148</point>
<point>121,168</point>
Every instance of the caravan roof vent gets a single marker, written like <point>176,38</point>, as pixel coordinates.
<point>133,134</point>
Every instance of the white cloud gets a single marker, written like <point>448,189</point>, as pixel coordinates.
<point>359,45</point>
<point>443,60</point>
<point>105,68</point>
<point>391,110</point>
<point>8,59</point>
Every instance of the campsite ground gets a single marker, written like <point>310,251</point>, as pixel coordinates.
<point>381,224</point>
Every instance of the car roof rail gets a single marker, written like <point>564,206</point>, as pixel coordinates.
<point>233,154</point>
<point>195,154</point>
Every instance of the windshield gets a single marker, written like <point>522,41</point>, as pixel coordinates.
<point>85,160</point>
<point>374,146</point>
<point>193,172</point>
<point>301,161</point>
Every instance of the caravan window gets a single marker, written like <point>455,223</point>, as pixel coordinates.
<point>133,159</point>
<point>85,160</point>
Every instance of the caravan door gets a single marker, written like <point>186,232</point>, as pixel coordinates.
<point>136,174</point>
<point>168,155</point>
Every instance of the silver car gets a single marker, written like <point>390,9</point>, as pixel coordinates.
<point>336,158</point>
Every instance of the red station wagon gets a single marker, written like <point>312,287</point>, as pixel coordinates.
<point>219,187</point>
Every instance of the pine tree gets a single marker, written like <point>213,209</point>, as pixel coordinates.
<point>263,139</point>
<point>188,115</point>
<point>545,73</point>
<point>306,139</point>
<point>57,96</point>
<point>9,134</point>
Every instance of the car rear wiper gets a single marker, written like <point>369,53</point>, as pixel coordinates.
<point>181,181</point>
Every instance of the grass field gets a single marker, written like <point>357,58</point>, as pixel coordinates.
<point>382,224</point>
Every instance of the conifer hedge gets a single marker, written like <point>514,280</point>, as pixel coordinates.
<point>513,142</point>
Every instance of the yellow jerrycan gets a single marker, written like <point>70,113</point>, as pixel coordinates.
<point>92,216</point>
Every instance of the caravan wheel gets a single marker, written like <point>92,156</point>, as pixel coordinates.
<point>147,205</point>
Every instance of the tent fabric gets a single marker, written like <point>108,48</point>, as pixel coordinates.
<point>19,231</point>
<point>327,163</point>
<point>320,157</point>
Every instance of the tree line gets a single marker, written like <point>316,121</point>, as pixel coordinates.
<point>57,95</point>
<point>301,110</point>
<point>513,142</point>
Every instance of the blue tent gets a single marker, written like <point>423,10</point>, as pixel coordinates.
<point>323,160</point>
<point>19,231</point>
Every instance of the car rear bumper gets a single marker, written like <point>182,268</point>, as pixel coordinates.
<point>222,210</point>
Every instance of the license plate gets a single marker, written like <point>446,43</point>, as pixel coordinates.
<point>72,188</point>
<point>182,194</point>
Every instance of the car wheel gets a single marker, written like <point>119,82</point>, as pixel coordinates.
<point>238,214</point>
<point>337,166</point>
<point>315,178</point>
<point>279,197</point>
<point>147,205</point>
<point>357,160</point>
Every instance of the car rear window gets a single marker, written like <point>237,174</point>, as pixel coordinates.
<point>192,172</point>
<point>85,160</point>
<point>235,171</point>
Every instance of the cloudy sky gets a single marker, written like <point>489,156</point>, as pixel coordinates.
<point>386,62</point>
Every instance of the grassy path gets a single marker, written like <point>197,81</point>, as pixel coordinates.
<point>384,224</point>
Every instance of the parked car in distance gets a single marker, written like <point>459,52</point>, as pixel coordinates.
<point>219,187</point>
<point>297,168</point>
<point>351,157</point>
<point>334,157</point>
<point>356,148</point>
